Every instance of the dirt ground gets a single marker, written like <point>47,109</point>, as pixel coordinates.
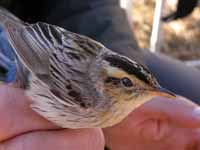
<point>181,38</point>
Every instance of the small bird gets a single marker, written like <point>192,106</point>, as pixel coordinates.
<point>74,81</point>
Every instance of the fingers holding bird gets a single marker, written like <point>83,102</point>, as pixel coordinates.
<point>153,120</point>
<point>16,116</point>
<point>179,111</point>
<point>85,139</point>
<point>156,125</point>
<point>22,128</point>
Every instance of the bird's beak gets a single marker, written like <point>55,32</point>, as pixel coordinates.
<point>163,92</point>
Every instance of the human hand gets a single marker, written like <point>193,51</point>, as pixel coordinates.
<point>23,129</point>
<point>160,124</point>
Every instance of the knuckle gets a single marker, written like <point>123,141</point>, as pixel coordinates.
<point>155,130</point>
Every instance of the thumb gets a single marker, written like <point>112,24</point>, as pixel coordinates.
<point>180,111</point>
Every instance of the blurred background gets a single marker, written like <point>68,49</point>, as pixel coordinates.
<point>179,38</point>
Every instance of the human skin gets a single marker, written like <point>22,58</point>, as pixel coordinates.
<point>23,129</point>
<point>160,124</point>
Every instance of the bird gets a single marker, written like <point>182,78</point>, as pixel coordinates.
<point>73,80</point>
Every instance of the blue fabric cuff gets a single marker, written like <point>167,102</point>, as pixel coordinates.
<point>8,58</point>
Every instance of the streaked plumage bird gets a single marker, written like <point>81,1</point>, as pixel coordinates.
<point>73,80</point>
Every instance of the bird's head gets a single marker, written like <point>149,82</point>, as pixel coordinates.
<point>128,83</point>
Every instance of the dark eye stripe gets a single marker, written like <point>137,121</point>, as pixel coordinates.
<point>131,68</point>
<point>112,80</point>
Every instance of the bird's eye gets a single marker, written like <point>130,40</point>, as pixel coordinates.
<point>126,82</point>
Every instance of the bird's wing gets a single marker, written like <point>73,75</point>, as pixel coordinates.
<point>5,15</point>
<point>36,43</point>
<point>58,57</point>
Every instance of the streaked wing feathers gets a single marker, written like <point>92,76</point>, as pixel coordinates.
<point>58,57</point>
